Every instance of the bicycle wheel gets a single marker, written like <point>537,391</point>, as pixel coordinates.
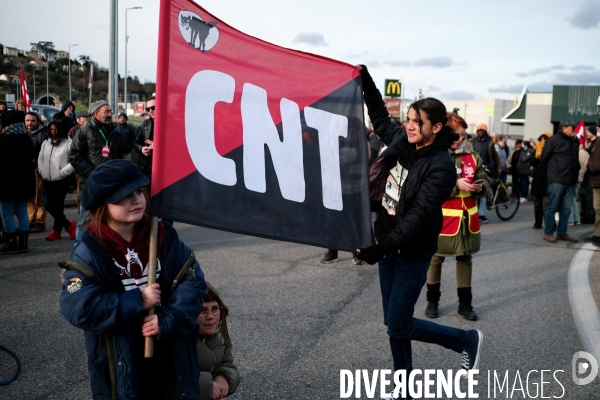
<point>506,206</point>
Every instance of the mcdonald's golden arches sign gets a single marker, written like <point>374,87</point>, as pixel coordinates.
<point>393,88</point>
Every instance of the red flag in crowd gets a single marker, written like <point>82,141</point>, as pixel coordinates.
<point>580,133</point>
<point>255,138</point>
<point>24,92</point>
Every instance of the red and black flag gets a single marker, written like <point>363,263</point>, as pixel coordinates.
<point>255,138</point>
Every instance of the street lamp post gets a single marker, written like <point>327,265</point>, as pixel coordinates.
<point>127,72</point>
<point>35,69</point>
<point>71,45</point>
<point>47,63</point>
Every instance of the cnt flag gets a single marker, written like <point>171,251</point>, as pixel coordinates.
<point>25,92</point>
<point>255,138</point>
<point>580,133</point>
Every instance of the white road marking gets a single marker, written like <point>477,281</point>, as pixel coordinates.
<point>585,312</point>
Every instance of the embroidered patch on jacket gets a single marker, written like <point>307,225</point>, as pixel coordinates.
<point>395,180</point>
<point>74,285</point>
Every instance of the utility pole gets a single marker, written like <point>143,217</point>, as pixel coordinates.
<point>113,70</point>
<point>402,101</point>
<point>35,69</point>
<point>126,72</point>
<point>47,66</point>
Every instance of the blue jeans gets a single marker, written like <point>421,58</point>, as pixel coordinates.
<point>575,216</point>
<point>481,205</point>
<point>524,185</point>
<point>502,175</point>
<point>560,198</point>
<point>80,219</point>
<point>401,282</point>
<point>10,208</point>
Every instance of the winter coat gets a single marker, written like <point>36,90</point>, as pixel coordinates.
<point>73,131</point>
<point>127,137</point>
<point>468,239</point>
<point>487,151</point>
<point>53,161</point>
<point>502,156</point>
<point>37,138</point>
<point>144,132</point>
<point>584,158</point>
<point>414,230</point>
<point>94,299</point>
<point>539,183</point>
<point>524,162</point>
<point>214,359</point>
<point>561,155</point>
<point>70,120</point>
<point>17,176</point>
<point>513,161</point>
<point>594,166</point>
<point>86,149</point>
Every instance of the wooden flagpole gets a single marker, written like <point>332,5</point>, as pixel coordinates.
<point>152,265</point>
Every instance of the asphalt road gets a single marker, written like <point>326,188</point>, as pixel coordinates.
<point>295,323</point>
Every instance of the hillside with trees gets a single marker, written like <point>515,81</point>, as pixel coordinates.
<point>33,62</point>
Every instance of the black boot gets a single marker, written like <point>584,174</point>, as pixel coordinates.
<point>433,298</point>
<point>23,241</point>
<point>464,307</point>
<point>2,237</point>
<point>10,245</point>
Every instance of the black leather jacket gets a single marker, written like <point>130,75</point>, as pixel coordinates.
<point>144,132</point>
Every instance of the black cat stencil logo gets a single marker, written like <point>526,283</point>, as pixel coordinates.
<point>198,33</point>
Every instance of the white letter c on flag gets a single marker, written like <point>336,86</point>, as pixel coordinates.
<point>204,90</point>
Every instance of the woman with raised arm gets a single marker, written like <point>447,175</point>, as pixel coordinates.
<point>412,178</point>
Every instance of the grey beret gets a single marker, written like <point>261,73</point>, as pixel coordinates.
<point>81,114</point>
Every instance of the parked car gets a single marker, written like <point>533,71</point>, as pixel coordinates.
<point>44,110</point>
<point>47,111</point>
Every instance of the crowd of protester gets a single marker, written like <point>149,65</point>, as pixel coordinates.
<point>431,182</point>
<point>47,159</point>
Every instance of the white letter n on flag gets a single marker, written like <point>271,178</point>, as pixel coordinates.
<point>287,155</point>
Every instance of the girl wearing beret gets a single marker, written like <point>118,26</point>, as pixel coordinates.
<point>106,293</point>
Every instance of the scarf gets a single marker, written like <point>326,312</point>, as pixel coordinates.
<point>14,129</point>
<point>130,257</point>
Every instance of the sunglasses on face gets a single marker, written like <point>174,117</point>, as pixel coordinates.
<point>150,108</point>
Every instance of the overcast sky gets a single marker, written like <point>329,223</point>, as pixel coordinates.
<point>462,49</point>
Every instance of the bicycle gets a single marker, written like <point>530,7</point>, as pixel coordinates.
<point>506,206</point>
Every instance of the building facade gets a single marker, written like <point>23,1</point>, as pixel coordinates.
<point>537,113</point>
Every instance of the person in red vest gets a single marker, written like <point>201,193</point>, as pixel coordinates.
<point>460,236</point>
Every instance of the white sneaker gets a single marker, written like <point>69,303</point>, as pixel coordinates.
<point>469,358</point>
<point>391,395</point>
<point>523,200</point>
